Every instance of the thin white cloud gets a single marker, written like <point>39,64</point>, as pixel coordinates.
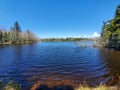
<point>95,34</point>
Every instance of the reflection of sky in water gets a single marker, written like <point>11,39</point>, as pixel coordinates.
<point>28,64</point>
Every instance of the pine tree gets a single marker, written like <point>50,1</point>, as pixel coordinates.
<point>111,30</point>
<point>17,30</point>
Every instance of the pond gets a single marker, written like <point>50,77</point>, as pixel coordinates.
<point>54,63</point>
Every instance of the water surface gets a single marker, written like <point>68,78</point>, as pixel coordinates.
<point>58,61</point>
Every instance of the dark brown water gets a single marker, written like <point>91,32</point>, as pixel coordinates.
<point>55,63</point>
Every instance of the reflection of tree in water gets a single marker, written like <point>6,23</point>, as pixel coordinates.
<point>112,65</point>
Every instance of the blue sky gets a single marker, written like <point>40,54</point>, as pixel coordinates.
<point>57,18</point>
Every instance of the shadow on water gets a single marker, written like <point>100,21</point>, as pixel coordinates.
<point>63,87</point>
<point>111,59</point>
<point>54,85</point>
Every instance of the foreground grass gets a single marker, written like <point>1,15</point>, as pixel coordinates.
<point>13,86</point>
<point>9,86</point>
<point>101,87</point>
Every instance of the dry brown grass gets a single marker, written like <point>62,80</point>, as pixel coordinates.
<point>101,87</point>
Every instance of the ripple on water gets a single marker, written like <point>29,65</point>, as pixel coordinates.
<point>55,63</point>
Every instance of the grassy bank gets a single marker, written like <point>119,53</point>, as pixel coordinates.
<point>18,42</point>
<point>101,87</point>
<point>6,43</point>
<point>14,86</point>
<point>9,86</point>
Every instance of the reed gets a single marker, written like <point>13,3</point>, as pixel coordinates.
<point>100,87</point>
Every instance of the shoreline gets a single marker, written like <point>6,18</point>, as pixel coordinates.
<point>25,42</point>
<point>39,86</point>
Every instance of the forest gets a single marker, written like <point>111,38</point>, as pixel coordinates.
<point>64,39</point>
<point>16,36</point>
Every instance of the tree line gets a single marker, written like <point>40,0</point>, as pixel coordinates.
<point>110,34</point>
<point>64,39</point>
<point>16,35</point>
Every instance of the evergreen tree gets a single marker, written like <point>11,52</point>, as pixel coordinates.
<point>17,30</point>
<point>15,35</point>
<point>1,35</point>
<point>111,30</point>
